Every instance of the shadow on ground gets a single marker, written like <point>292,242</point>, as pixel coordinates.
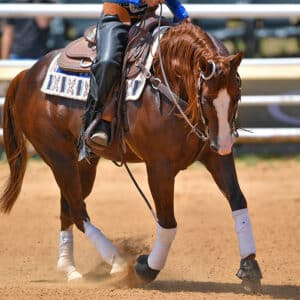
<point>274,291</point>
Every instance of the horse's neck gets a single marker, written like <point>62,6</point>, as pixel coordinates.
<point>219,46</point>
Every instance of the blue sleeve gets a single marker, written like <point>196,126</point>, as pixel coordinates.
<point>135,2</point>
<point>177,9</point>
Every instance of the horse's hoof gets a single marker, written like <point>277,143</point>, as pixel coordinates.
<point>251,285</point>
<point>118,267</point>
<point>143,270</point>
<point>250,274</point>
<point>70,271</point>
<point>73,275</point>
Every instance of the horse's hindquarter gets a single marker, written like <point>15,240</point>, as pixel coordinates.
<point>45,119</point>
<point>156,134</point>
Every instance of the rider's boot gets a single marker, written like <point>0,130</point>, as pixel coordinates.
<point>112,37</point>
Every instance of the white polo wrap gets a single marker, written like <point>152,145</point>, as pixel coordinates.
<point>244,232</point>
<point>65,255</point>
<point>104,246</point>
<point>159,253</point>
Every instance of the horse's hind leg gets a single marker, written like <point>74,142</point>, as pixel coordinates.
<point>223,171</point>
<point>106,249</point>
<point>66,261</point>
<point>74,186</point>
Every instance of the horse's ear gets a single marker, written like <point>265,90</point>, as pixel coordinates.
<point>235,60</point>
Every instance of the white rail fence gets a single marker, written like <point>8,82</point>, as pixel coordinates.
<point>255,135</point>
<point>268,68</point>
<point>238,10</point>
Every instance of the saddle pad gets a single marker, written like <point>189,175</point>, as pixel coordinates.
<point>65,84</point>
<point>77,85</point>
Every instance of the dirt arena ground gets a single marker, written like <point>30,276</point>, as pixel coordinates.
<point>204,257</point>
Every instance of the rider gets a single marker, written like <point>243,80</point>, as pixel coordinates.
<point>112,34</point>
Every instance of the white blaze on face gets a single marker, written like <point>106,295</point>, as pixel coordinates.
<point>225,139</point>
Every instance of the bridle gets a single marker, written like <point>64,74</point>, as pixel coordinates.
<point>203,78</point>
<point>166,90</point>
<point>213,71</point>
<point>204,136</point>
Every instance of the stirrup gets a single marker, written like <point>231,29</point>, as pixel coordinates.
<point>100,138</point>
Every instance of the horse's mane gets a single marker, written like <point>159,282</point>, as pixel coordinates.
<point>181,49</point>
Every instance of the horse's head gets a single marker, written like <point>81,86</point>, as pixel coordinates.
<point>219,94</point>
<point>200,70</point>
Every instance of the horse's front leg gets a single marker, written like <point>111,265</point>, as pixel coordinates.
<point>161,183</point>
<point>223,171</point>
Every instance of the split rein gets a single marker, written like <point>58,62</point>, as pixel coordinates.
<point>201,135</point>
<point>166,90</point>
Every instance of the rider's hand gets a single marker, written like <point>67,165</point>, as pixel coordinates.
<point>152,3</point>
<point>186,20</point>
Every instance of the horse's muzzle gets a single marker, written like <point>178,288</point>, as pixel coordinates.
<point>222,147</point>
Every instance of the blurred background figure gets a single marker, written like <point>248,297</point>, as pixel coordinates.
<point>25,38</point>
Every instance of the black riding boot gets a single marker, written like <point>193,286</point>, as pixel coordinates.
<point>112,37</point>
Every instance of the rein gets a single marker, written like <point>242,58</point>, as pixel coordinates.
<point>165,89</point>
<point>141,192</point>
<point>202,136</point>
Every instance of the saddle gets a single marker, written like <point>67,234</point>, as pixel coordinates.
<point>79,55</point>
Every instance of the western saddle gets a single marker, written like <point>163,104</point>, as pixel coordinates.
<point>79,55</point>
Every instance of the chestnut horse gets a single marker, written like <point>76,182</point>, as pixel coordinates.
<point>204,77</point>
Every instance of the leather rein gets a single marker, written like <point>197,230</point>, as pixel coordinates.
<point>164,88</point>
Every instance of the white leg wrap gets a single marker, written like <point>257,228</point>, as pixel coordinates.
<point>244,232</point>
<point>104,246</point>
<point>65,261</point>
<point>159,253</point>
<point>65,255</point>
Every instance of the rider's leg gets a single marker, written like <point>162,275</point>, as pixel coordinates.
<point>112,37</point>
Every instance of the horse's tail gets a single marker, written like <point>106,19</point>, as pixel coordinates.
<point>15,148</point>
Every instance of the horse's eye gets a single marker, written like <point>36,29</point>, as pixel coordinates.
<point>206,101</point>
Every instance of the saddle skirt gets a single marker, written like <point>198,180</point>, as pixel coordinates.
<point>69,76</point>
<point>136,82</point>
